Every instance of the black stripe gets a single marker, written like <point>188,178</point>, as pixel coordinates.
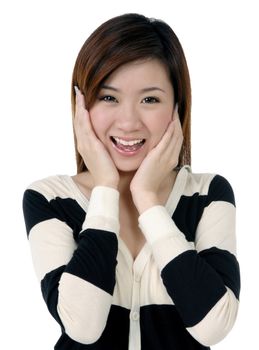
<point>226,265</point>
<point>189,209</point>
<point>194,286</point>
<point>162,328</point>
<point>49,288</point>
<point>37,208</point>
<point>95,259</point>
<point>220,190</point>
<point>188,214</point>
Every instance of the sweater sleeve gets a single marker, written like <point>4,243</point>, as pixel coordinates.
<point>77,279</point>
<point>202,277</point>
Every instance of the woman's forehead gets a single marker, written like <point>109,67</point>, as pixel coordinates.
<point>144,73</point>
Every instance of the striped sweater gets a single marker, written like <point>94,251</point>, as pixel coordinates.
<point>181,291</point>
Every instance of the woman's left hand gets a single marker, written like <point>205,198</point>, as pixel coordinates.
<point>156,167</point>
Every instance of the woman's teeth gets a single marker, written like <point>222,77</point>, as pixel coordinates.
<point>127,143</point>
<point>127,147</point>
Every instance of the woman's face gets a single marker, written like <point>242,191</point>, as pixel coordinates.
<point>132,111</point>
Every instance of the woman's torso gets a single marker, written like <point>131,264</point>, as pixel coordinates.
<point>130,232</point>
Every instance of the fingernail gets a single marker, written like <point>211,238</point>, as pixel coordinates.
<point>76,89</point>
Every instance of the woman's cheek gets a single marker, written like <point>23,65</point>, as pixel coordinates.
<point>98,123</point>
<point>160,123</point>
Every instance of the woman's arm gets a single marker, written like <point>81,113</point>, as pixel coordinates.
<point>77,280</point>
<point>201,278</point>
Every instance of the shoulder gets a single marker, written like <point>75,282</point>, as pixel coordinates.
<point>52,197</point>
<point>53,186</point>
<point>214,186</point>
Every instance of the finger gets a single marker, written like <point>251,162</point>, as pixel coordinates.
<point>169,131</point>
<point>174,160</point>
<point>177,134</point>
<point>175,113</point>
<point>175,141</point>
<point>173,150</point>
<point>81,112</point>
<point>165,140</point>
<point>80,100</point>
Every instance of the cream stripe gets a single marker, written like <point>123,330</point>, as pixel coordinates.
<point>168,248</point>
<point>218,322</point>
<point>83,308</point>
<point>52,245</point>
<point>198,183</point>
<point>161,232</point>
<point>217,227</point>
<point>52,187</point>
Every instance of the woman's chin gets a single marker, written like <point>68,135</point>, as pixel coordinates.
<point>127,167</point>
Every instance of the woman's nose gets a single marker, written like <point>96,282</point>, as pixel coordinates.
<point>128,118</point>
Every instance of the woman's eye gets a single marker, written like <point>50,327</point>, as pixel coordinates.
<point>150,99</point>
<point>108,98</point>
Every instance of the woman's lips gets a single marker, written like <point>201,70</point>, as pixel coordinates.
<point>128,147</point>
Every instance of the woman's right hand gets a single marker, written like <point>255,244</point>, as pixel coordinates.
<point>91,149</point>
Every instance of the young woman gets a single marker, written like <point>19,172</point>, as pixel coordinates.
<point>134,251</point>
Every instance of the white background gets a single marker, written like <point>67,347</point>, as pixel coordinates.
<point>39,43</point>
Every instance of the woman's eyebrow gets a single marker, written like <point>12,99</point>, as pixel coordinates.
<point>147,89</point>
<point>108,87</point>
<point>152,88</point>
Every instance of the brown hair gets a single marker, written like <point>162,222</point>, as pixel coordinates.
<point>128,38</point>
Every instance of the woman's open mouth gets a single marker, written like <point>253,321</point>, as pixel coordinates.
<point>130,147</point>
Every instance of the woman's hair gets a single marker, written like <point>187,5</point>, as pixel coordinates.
<point>128,38</point>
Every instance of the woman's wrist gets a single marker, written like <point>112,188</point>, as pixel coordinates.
<point>103,209</point>
<point>106,184</point>
<point>145,200</point>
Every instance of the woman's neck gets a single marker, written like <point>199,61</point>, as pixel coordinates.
<point>85,180</point>
<point>125,180</point>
